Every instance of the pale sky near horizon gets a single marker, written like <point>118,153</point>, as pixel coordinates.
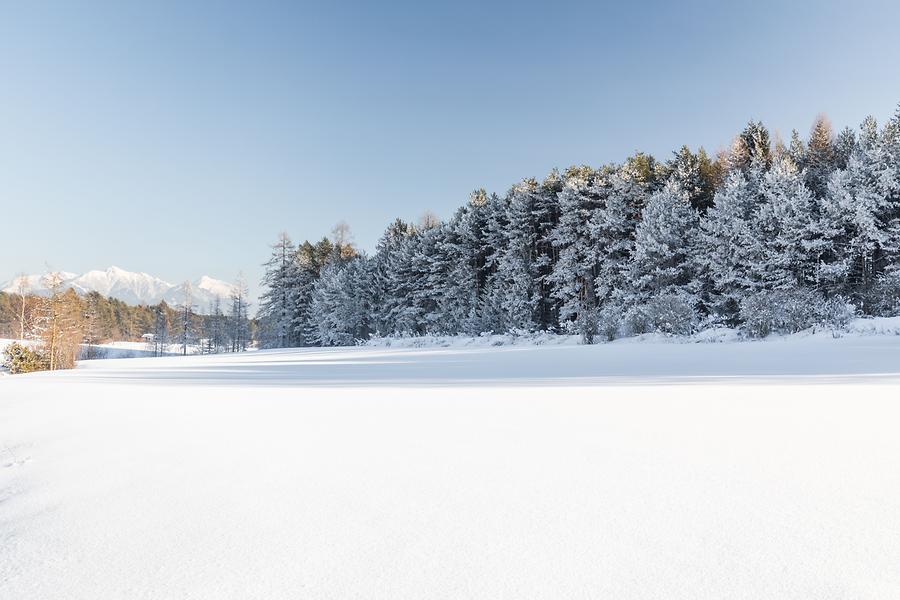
<point>179,138</point>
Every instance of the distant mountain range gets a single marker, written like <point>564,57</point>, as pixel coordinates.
<point>134,288</point>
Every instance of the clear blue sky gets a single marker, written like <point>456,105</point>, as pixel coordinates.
<point>179,140</point>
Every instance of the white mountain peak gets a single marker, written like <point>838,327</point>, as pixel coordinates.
<point>132,287</point>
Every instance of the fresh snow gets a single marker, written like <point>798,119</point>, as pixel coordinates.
<point>867,326</point>
<point>133,288</point>
<point>35,283</point>
<point>112,349</point>
<point>648,470</point>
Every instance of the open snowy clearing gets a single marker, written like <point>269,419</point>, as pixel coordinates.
<point>740,470</point>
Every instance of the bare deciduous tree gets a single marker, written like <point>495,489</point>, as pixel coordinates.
<point>23,289</point>
<point>59,323</point>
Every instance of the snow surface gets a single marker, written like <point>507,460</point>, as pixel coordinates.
<point>111,349</point>
<point>651,470</point>
<point>864,326</point>
<point>133,288</point>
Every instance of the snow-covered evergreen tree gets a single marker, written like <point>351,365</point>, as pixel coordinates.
<point>665,240</point>
<point>785,246</point>
<point>545,215</point>
<point>395,311</point>
<point>612,231</point>
<point>277,307</point>
<point>310,260</point>
<point>860,221</point>
<point>512,285</point>
<point>457,260</point>
<point>694,173</point>
<point>820,156</point>
<point>724,244</point>
<point>341,303</point>
<point>574,273</point>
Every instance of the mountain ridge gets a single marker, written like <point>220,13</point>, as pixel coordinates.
<point>133,287</point>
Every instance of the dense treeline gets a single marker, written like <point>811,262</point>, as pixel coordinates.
<point>765,236</point>
<point>62,326</point>
<point>114,320</point>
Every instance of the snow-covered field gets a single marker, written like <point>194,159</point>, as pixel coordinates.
<point>137,349</point>
<point>112,349</point>
<point>653,470</point>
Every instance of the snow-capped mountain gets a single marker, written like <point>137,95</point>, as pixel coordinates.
<point>204,292</point>
<point>34,284</point>
<point>133,288</point>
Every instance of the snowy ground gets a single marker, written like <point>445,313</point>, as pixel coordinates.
<point>112,349</point>
<point>654,470</point>
<point>138,349</point>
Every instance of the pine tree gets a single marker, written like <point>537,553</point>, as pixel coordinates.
<point>797,151</point>
<point>612,231</point>
<point>574,273</point>
<point>512,285</point>
<point>695,174</point>
<point>427,281</point>
<point>341,303</point>
<point>545,216</point>
<point>663,247</point>
<point>786,247</point>
<point>393,284</point>
<point>820,156</point>
<point>457,304</point>
<point>277,305</point>
<point>724,245</point>
<point>844,147</point>
<point>859,223</point>
<point>752,148</point>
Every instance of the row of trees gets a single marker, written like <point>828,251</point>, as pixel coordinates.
<point>60,326</point>
<point>54,322</point>
<point>623,249</point>
<point>211,332</point>
<point>767,236</point>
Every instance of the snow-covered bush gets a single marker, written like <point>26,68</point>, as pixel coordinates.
<point>885,296</point>
<point>798,309</point>
<point>635,321</point>
<point>671,313</point>
<point>836,313</point>
<point>667,313</point>
<point>586,323</point>
<point>781,311</point>
<point>22,359</point>
<point>758,314</point>
<point>727,313</point>
<point>609,322</point>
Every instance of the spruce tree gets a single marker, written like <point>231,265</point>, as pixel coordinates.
<point>665,241</point>
<point>277,305</point>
